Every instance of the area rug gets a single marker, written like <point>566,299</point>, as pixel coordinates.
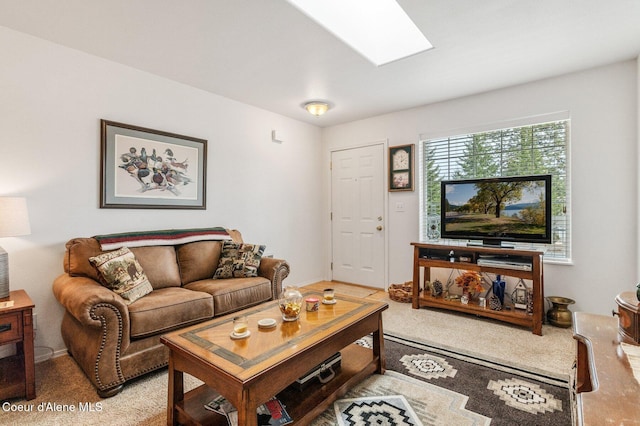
<point>506,396</point>
<point>430,404</point>
<point>449,389</point>
<point>375,410</point>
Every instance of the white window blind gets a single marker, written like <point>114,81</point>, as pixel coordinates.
<point>516,151</point>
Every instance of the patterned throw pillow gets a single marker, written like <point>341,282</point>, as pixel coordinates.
<point>239,260</point>
<point>120,272</point>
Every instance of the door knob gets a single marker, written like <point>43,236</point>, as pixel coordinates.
<point>379,227</point>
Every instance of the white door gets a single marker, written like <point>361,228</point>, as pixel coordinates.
<point>357,221</point>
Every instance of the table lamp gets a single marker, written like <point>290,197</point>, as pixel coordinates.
<point>14,221</point>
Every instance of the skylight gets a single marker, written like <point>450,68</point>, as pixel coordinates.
<point>379,30</point>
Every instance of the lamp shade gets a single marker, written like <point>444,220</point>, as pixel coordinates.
<point>14,217</point>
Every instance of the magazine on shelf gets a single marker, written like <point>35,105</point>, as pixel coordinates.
<point>272,412</point>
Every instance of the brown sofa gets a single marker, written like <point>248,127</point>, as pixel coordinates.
<point>113,341</point>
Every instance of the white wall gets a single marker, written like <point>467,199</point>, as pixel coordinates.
<point>52,99</point>
<point>602,104</point>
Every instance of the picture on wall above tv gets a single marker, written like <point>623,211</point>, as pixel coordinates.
<point>516,209</point>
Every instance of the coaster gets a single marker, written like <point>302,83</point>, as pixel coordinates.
<point>267,323</point>
<point>240,336</point>
<point>329,302</point>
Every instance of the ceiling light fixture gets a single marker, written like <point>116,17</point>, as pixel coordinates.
<point>316,108</point>
<point>380,30</point>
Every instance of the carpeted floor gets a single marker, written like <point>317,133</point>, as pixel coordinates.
<point>65,396</point>
<point>440,388</point>
<point>551,354</point>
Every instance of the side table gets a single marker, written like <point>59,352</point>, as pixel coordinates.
<point>17,372</point>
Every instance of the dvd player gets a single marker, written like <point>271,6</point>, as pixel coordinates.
<point>506,264</point>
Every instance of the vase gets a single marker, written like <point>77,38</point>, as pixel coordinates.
<point>559,315</point>
<point>290,303</point>
<point>498,288</point>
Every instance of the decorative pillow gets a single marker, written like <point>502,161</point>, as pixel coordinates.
<point>239,260</point>
<point>120,272</point>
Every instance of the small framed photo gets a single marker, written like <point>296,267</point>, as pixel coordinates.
<point>151,169</point>
<point>401,168</point>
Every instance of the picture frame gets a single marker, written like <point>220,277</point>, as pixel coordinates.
<point>143,168</point>
<point>401,173</point>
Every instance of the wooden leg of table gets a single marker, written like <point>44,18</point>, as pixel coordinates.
<point>378,347</point>
<point>28,353</point>
<point>247,412</point>
<point>176,392</point>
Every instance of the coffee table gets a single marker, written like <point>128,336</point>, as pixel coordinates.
<point>248,372</point>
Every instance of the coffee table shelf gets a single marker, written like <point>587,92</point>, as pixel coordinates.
<point>302,406</point>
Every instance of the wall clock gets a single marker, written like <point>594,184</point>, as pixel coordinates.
<point>401,168</point>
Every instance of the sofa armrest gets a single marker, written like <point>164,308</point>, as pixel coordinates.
<point>85,300</point>
<point>275,270</point>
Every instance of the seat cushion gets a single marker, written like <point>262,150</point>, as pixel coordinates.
<point>168,308</point>
<point>233,294</point>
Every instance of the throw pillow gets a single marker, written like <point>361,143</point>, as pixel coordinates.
<point>239,260</point>
<point>120,272</point>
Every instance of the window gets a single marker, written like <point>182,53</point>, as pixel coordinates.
<point>520,150</point>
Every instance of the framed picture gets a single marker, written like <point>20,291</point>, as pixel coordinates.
<point>151,169</point>
<point>401,168</point>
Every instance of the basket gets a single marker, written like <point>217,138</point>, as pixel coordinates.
<point>401,292</point>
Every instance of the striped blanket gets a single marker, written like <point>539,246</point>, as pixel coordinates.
<point>160,238</point>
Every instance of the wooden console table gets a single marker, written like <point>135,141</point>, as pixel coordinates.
<point>17,373</point>
<point>429,256</point>
<point>606,391</point>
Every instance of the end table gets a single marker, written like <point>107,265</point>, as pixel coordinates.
<point>17,372</point>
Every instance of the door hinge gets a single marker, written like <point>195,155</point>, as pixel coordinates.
<point>330,165</point>
<point>332,266</point>
<point>330,215</point>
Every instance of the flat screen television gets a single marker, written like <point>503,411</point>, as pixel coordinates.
<point>513,209</point>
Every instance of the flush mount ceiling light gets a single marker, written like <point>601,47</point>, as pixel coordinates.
<point>379,30</point>
<point>316,108</point>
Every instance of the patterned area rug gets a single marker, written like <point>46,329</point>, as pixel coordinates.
<point>443,388</point>
<point>430,404</point>
<point>375,410</point>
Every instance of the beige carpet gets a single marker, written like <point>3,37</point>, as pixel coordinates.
<point>65,396</point>
<point>551,354</point>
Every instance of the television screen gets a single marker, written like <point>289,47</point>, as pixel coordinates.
<point>516,209</point>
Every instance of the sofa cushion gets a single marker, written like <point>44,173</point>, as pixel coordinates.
<point>198,261</point>
<point>76,260</point>
<point>168,308</point>
<point>160,264</point>
<point>233,294</point>
<point>120,272</point>
<point>238,260</point>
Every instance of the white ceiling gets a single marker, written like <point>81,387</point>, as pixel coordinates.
<point>268,54</point>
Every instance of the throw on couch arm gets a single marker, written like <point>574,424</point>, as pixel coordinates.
<point>114,340</point>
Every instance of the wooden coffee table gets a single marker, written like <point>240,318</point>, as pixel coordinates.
<point>248,372</point>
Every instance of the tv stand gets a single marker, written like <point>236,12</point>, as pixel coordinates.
<point>525,264</point>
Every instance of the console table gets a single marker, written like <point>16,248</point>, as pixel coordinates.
<point>429,256</point>
<point>606,391</point>
<point>17,373</point>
